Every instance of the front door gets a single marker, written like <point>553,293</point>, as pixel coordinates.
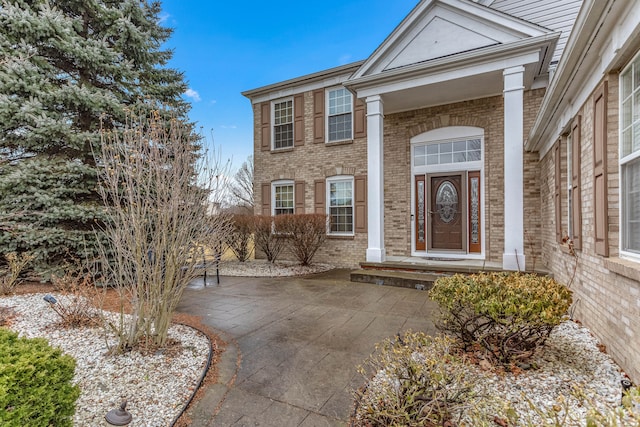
<point>446,219</point>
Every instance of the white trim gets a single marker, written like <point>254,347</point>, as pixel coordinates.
<point>278,183</point>
<point>601,41</point>
<point>375,180</point>
<point>273,123</point>
<point>445,134</point>
<point>492,18</point>
<point>513,257</point>
<point>623,161</point>
<point>340,178</point>
<point>327,114</point>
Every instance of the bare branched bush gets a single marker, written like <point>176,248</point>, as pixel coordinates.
<point>306,234</point>
<point>266,238</point>
<point>10,278</point>
<point>415,380</point>
<point>159,189</point>
<point>76,306</point>
<point>239,237</point>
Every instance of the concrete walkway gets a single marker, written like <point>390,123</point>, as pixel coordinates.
<point>299,341</point>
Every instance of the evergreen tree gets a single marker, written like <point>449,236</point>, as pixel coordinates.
<point>64,66</point>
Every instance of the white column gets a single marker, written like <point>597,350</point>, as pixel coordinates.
<point>375,179</point>
<point>513,256</point>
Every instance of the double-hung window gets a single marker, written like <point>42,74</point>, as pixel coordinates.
<point>283,124</point>
<point>340,115</point>
<point>630,158</point>
<point>340,205</point>
<point>283,202</point>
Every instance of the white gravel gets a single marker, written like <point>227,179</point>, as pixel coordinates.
<point>570,358</point>
<point>263,268</point>
<point>156,387</point>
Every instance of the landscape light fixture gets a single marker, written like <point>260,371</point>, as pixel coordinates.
<point>120,416</point>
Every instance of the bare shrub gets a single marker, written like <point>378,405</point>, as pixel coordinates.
<point>306,233</point>
<point>239,237</point>
<point>10,278</point>
<point>265,237</point>
<point>160,190</point>
<point>414,380</point>
<point>76,306</point>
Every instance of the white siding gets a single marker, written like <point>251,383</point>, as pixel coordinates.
<point>557,15</point>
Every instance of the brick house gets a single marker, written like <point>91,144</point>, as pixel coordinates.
<point>478,131</point>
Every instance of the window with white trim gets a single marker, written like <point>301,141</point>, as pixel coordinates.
<point>339,115</point>
<point>283,124</point>
<point>340,205</point>
<point>630,158</point>
<point>446,152</point>
<point>283,198</point>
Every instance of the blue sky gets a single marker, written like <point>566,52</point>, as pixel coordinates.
<point>226,47</point>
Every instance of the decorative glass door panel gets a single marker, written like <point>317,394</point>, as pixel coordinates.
<point>447,214</point>
<point>420,216</point>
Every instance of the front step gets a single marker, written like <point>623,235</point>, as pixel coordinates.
<point>401,279</point>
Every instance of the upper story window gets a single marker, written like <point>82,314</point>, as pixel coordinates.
<point>340,205</point>
<point>339,117</point>
<point>283,124</point>
<point>283,199</point>
<point>630,158</point>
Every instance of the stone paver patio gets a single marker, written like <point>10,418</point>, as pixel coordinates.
<point>300,340</point>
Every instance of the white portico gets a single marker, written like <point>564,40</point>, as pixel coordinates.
<point>445,52</point>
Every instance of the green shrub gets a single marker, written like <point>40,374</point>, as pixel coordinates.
<point>508,314</point>
<point>415,380</point>
<point>35,383</point>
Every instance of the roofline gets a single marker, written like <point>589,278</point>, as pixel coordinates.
<point>309,78</point>
<point>590,17</point>
<point>455,61</point>
<point>464,5</point>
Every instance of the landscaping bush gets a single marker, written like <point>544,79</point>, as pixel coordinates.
<point>239,237</point>
<point>508,314</point>
<point>306,233</point>
<point>265,238</point>
<point>414,380</point>
<point>10,278</point>
<point>75,308</point>
<point>35,383</point>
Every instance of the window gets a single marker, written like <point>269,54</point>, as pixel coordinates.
<point>467,150</point>
<point>339,117</point>
<point>630,158</point>
<point>340,205</point>
<point>283,124</point>
<point>283,202</point>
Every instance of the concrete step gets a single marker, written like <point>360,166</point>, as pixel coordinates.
<point>402,279</point>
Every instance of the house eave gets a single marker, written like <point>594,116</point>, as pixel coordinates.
<point>545,42</point>
<point>303,80</point>
<point>517,25</point>
<point>570,71</point>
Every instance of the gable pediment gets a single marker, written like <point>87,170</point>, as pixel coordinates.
<point>443,28</point>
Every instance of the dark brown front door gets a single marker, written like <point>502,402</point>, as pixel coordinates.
<point>447,212</point>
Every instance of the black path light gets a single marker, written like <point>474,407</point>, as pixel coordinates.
<point>120,416</point>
